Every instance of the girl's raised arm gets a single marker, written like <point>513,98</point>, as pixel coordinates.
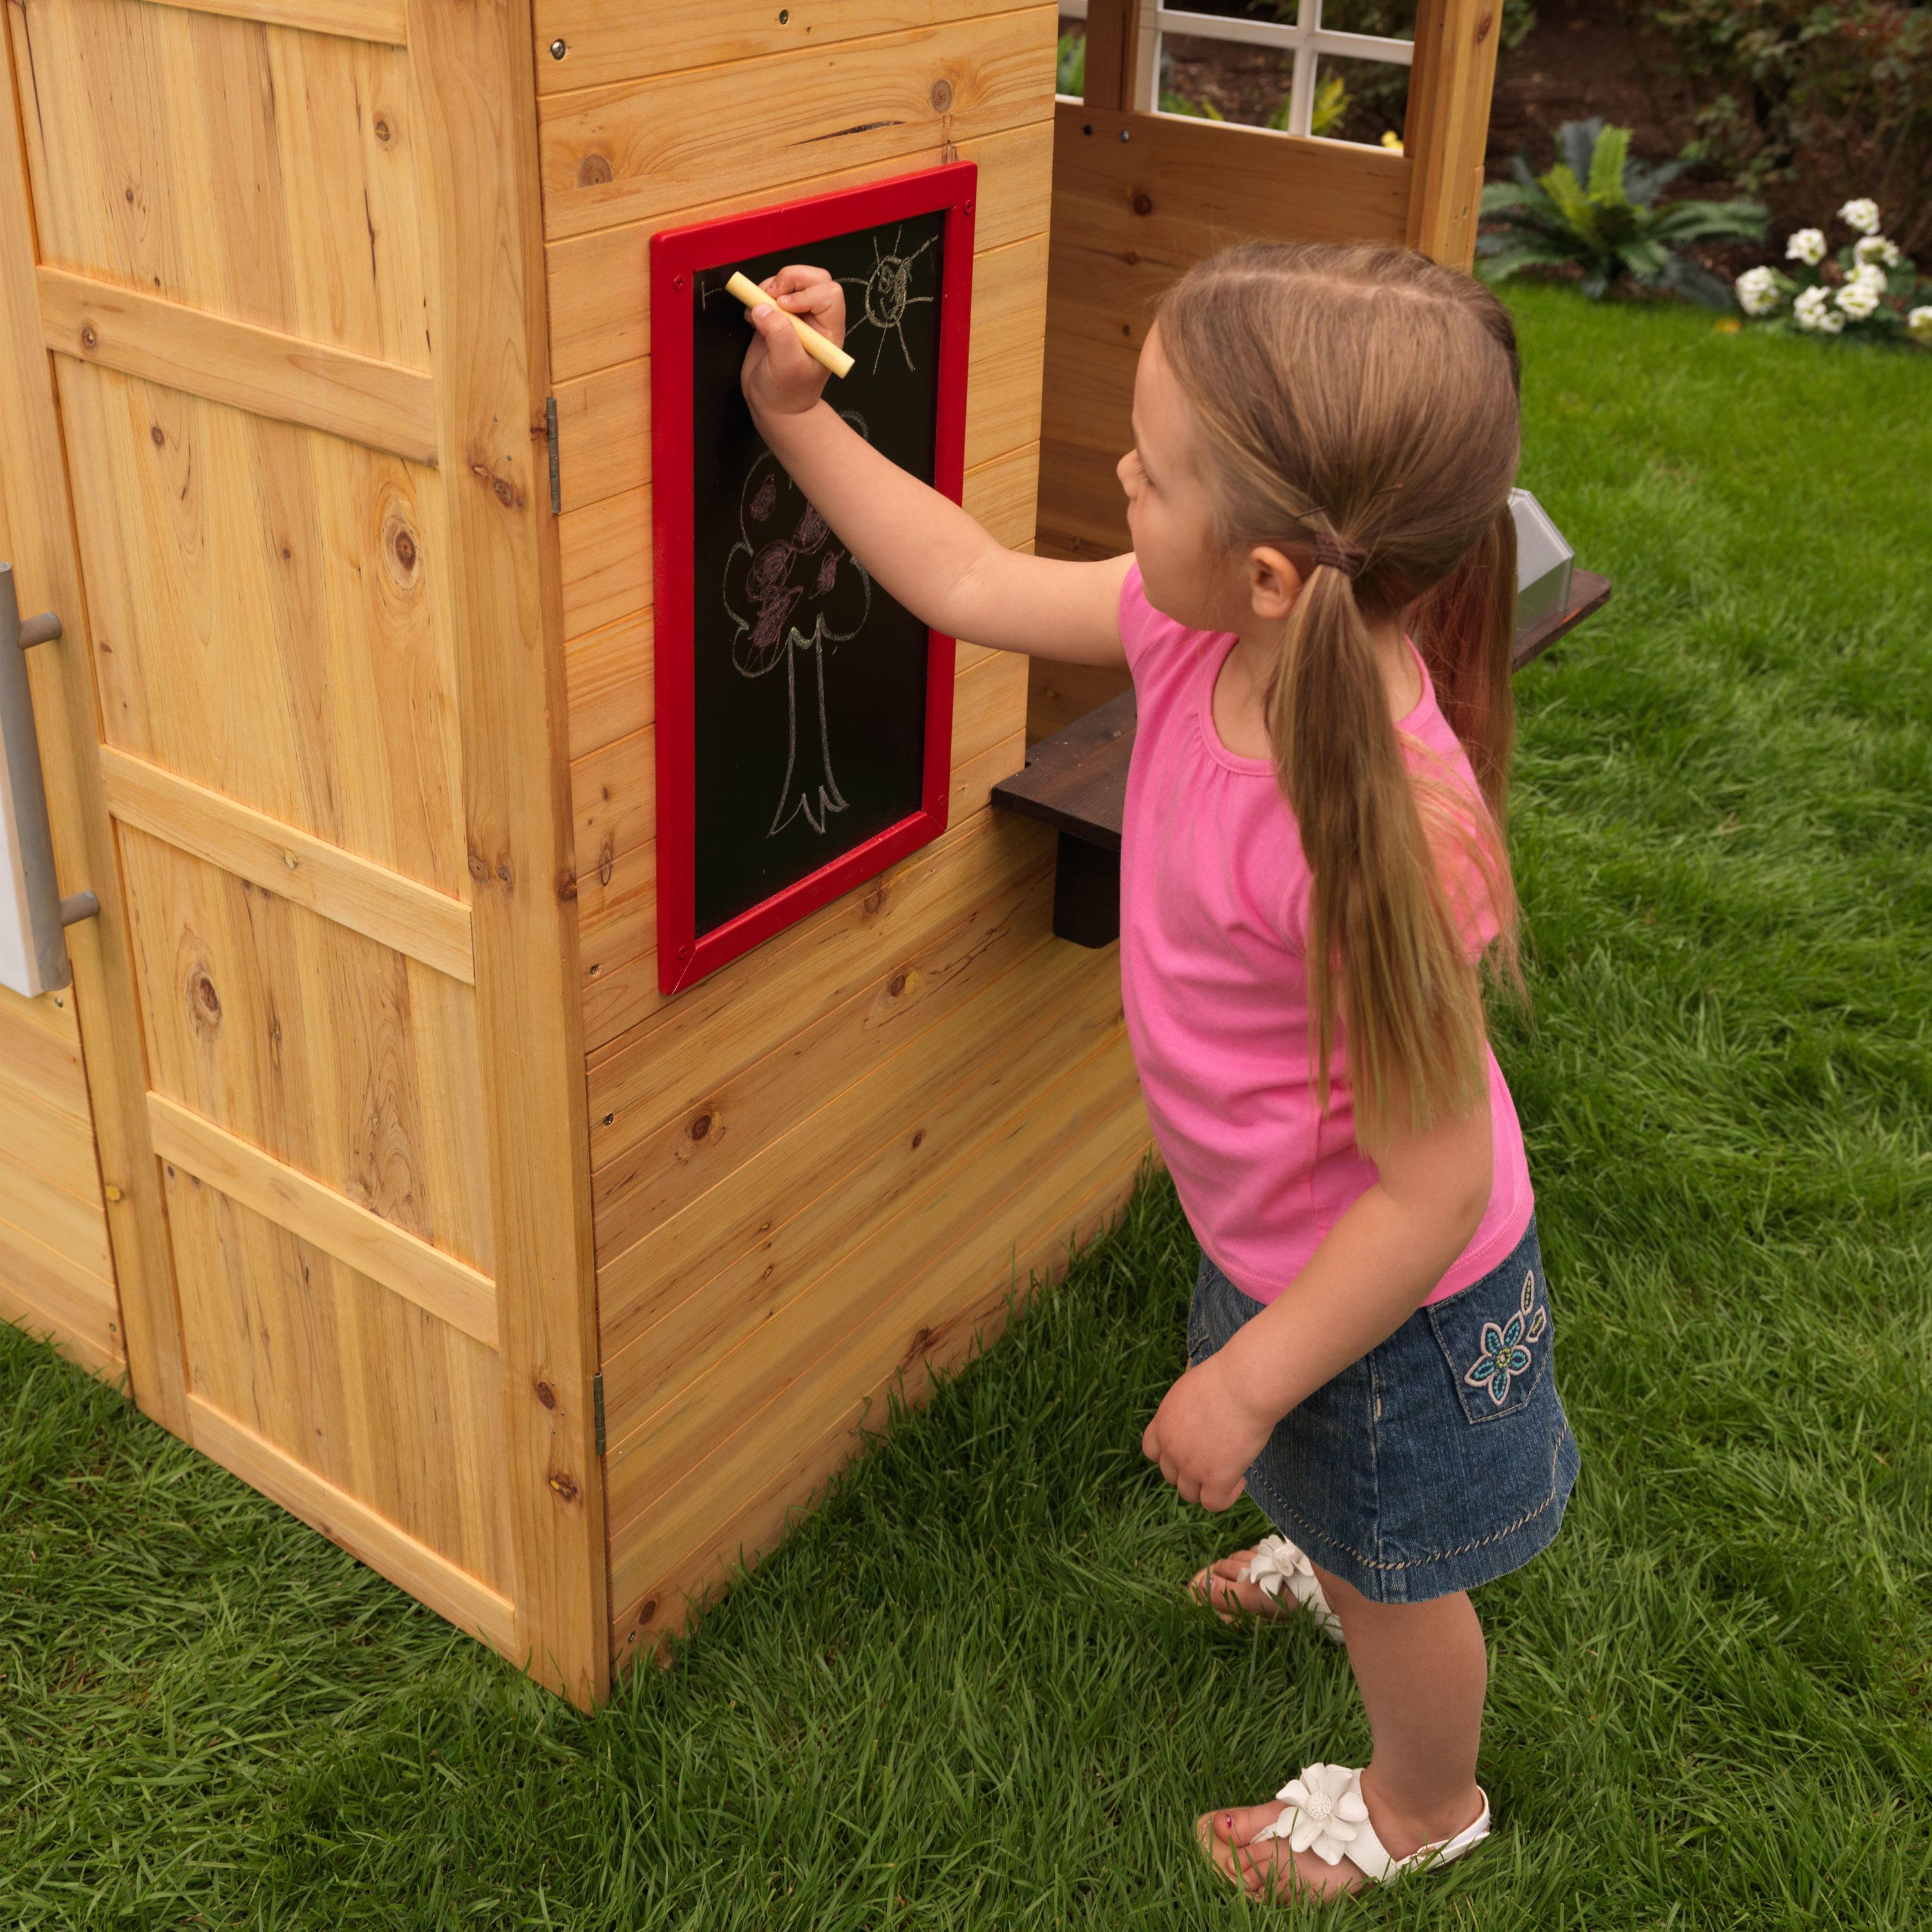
<point>941,563</point>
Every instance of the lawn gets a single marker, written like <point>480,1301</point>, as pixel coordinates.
<point>967,1693</point>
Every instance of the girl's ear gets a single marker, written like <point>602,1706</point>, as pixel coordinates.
<point>1273,583</point>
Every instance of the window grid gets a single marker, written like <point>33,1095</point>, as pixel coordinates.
<point>1307,40</point>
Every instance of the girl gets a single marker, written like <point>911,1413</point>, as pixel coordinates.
<point>1311,870</point>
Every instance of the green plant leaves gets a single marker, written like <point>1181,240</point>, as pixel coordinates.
<point>1608,228</point>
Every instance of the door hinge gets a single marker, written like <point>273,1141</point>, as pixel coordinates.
<point>556,476</point>
<point>597,1407</point>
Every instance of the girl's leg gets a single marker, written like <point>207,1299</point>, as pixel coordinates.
<point>1422,1672</point>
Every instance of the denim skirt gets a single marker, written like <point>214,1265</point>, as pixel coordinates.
<point>1440,1460</point>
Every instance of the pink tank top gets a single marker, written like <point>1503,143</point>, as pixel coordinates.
<point>1214,895</point>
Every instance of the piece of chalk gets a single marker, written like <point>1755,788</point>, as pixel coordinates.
<point>748,293</point>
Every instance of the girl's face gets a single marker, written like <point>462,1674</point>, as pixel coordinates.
<point>1185,569</point>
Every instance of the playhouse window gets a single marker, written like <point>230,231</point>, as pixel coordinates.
<point>1335,70</point>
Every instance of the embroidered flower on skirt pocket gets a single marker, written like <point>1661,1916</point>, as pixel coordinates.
<point>1495,1338</point>
<point>1505,1351</point>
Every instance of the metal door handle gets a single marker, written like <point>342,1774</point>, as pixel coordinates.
<point>33,947</point>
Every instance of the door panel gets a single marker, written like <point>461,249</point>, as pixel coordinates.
<point>382,1400</point>
<point>269,616</point>
<point>346,1061</point>
<point>251,171</point>
<point>312,747</point>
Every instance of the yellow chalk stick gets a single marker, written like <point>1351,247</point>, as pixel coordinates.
<point>815,345</point>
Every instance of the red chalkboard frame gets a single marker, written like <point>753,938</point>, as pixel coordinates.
<point>677,256</point>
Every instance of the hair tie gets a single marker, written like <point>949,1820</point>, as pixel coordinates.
<point>1334,553</point>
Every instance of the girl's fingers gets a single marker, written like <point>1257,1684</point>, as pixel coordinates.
<point>812,292</point>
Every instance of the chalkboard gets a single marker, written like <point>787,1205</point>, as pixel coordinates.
<point>804,715</point>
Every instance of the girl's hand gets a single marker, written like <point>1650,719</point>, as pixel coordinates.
<point>779,378</point>
<point>1204,1437</point>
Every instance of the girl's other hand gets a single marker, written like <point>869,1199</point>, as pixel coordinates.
<point>779,378</point>
<point>1204,1437</point>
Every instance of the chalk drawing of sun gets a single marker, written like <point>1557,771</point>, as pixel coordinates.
<point>887,294</point>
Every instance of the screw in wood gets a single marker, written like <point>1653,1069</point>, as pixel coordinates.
<point>558,49</point>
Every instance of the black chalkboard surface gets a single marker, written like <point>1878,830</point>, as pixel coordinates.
<point>804,715</point>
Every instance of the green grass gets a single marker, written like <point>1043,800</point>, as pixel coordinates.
<point>965,1694</point>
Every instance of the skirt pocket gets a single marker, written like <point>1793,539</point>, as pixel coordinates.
<point>1496,1336</point>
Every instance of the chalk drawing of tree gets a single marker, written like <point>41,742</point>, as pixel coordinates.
<point>790,589</point>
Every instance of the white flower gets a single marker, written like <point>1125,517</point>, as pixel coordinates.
<point>1806,245</point>
<point>1278,1565</point>
<point>1861,214</point>
<point>1858,300</point>
<point>1758,291</point>
<point>1919,323</point>
<point>1324,1814</point>
<point>1874,250</point>
<point>1868,275</point>
<point>1812,311</point>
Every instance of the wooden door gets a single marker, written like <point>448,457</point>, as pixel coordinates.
<point>1140,195</point>
<point>273,268</point>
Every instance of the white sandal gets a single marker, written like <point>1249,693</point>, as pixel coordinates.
<point>1277,1565</point>
<point>1326,1816</point>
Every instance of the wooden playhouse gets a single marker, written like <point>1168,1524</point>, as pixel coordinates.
<point>367,1142</point>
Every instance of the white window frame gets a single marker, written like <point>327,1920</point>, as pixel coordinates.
<point>1307,40</point>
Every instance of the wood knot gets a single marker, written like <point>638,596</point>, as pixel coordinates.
<point>89,338</point>
<point>896,985</point>
<point>607,858</point>
<point>478,865</point>
<point>700,1128</point>
<point>875,898</point>
<point>204,1003</point>
<point>942,97</point>
<point>156,436</point>
<point>565,1484</point>
<point>545,1393</point>
<point>383,130</point>
<point>919,1140</point>
<point>592,171</point>
<point>1482,27</point>
<point>404,546</point>
<point>566,887</point>
<point>649,1610</point>
<point>505,492</point>
<point>921,1344</point>
<point>1143,204</point>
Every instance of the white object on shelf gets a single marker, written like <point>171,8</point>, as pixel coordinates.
<point>1543,562</point>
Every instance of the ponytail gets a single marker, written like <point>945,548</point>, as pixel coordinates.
<point>1359,406</point>
<point>1385,955</point>
<point>1465,629</point>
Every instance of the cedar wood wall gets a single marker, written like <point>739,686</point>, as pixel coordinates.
<point>824,1165</point>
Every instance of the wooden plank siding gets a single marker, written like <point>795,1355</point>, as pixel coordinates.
<point>56,1260</point>
<point>766,1111</point>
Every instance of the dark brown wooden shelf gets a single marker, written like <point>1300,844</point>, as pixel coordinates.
<point>1076,782</point>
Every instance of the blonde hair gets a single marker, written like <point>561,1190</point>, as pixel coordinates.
<point>1360,401</point>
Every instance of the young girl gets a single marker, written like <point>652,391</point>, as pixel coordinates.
<point>1311,871</point>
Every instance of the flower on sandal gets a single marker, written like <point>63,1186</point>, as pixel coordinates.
<point>1505,1354</point>
<point>1325,1815</point>
<point>1277,1565</point>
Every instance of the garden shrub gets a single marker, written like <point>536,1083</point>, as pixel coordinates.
<point>1836,98</point>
